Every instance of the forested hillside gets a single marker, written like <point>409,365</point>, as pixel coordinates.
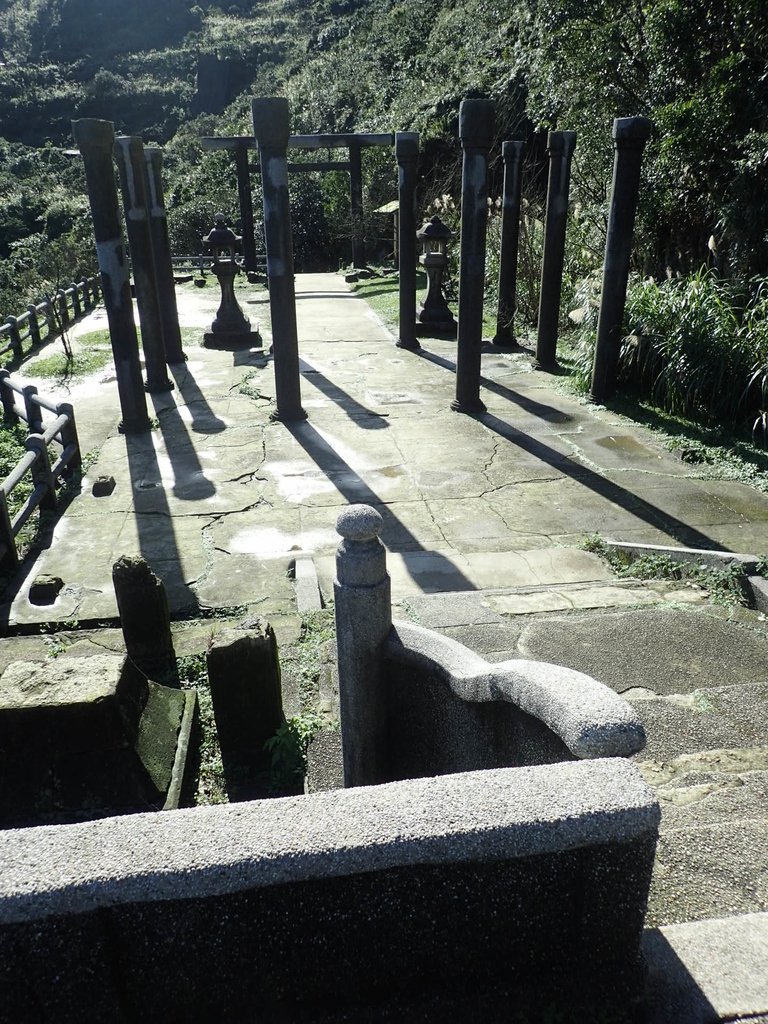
<point>174,71</point>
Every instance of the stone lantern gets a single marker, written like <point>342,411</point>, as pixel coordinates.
<point>231,328</point>
<point>434,236</point>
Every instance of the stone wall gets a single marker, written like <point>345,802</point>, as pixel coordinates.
<point>518,887</point>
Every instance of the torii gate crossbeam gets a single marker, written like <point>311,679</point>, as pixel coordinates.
<point>354,142</point>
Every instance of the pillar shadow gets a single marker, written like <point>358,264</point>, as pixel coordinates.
<point>529,405</point>
<point>189,480</point>
<point>671,991</point>
<point>363,416</point>
<point>394,534</point>
<point>204,420</point>
<point>154,523</point>
<point>326,295</point>
<point>649,513</point>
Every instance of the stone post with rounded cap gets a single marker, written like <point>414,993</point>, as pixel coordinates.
<point>363,620</point>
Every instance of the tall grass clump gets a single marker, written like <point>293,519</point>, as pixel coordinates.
<point>695,346</point>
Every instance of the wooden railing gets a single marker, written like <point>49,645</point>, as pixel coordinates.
<point>47,319</point>
<point>58,430</point>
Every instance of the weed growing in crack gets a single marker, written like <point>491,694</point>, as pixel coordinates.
<point>288,749</point>
<point>725,585</point>
<point>306,658</point>
<point>211,785</point>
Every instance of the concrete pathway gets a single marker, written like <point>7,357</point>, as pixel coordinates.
<point>221,501</point>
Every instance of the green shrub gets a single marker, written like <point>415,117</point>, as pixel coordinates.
<point>696,346</point>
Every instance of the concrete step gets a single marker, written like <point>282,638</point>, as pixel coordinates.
<point>712,857</point>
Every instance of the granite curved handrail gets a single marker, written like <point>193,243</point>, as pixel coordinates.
<point>590,718</point>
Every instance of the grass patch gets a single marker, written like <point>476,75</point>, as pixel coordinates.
<point>725,585</point>
<point>695,346</point>
<point>92,353</point>
<point>383,296</point>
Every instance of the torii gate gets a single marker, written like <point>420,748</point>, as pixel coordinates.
<point>354,142</point>
<point>271,117</point>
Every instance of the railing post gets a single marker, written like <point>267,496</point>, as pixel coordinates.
<point>6,396</point>
<point>77,308</point>
<point>15,336</point>
<point>560,146</point>
<point>95,140</point>
<point>129,152</point>
<point>476,122</point>
<point>407,154</point>
<point>6,533</point>
<point>32,409</point>
<point>271,117</point>
<point>63,309</point>
<point>50,316</point>
<point>69,436</point>
<point>362,595</point>
<point>161,251</point>
<point>34,324</point>
<point>630,135</point>
<point>512,155</point>
<point>41,470</point>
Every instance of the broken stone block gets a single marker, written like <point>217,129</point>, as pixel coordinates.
<point>45,589</point>
<point>244,675</point>
<point>85,737</point>
<point>144,618</point>
<point>103,486</point>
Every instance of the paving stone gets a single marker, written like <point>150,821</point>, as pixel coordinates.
<point>715,870</point>
<point>666,650</point>
<point>708,971</point>
<point>708,718</point>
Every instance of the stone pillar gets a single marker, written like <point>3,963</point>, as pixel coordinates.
<point>95,139</point>
<point>142,605</point>
<point>363,621</point>
<point>560,146</point>
<point>630,135</point>
<point>244,675</point>
<point>271,118</point>
<point>131,166</point>
<point>476,122</point>
<point>512,155</point>
<point>407,154</point>
<point>356,203</point>
<point>246,206</point>
<point>161,248</point>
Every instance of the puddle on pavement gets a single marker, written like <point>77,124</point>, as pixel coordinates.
<point>391,398</point>
<point>269,542</point>
<point>625,443</point>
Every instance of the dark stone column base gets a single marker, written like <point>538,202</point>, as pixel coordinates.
<point>159,387</point>
<point>230,340</point>
<point>288,417</point>
<point>474,406</point>
<point>507,342</point>
<point>410,346</point>
<point>134,426</point>
<point>554,368</point>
